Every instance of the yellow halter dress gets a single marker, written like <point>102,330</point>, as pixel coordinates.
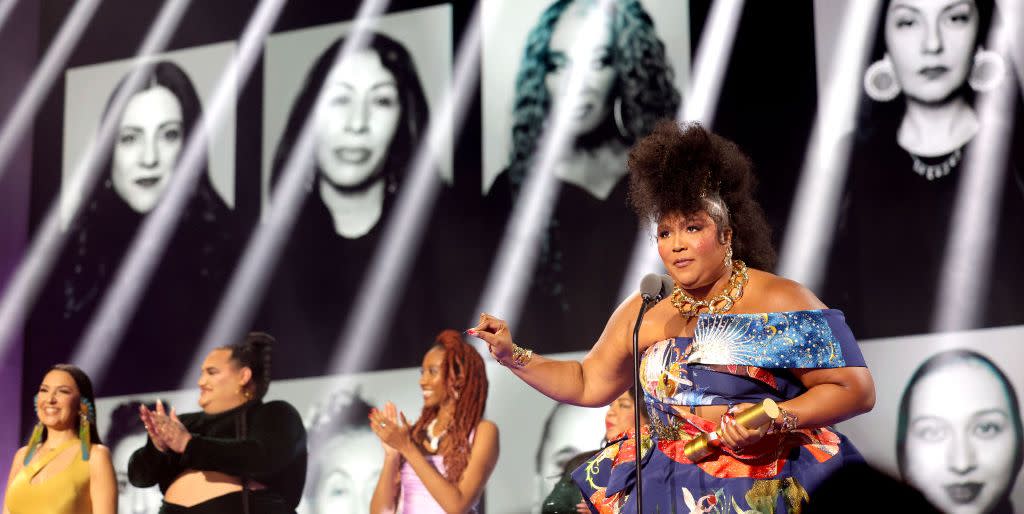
<point>65,492</point>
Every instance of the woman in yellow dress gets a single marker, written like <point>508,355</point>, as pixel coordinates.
<point>63,469</point>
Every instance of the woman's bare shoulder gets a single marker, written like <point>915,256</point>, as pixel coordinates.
<point>100,450</point>
<point>20,454</point>
<point>99,459</point>
<point>771,293</point>
<point>488,425</point>
<point>619,325</point>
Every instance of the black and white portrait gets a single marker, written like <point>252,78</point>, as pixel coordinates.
<point>181,84</point>
<point>959,436</point>
<point>151,133</point>
<point>125,434</point>
<point>369,111</point>
<point>612,68</point>
<point>636,70</point>
<point>346,456</point>
<point>947,416</point>
<point>568,431</point>
<point>918,127</point>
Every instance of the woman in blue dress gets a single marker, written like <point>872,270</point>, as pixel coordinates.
<point>729,336</point>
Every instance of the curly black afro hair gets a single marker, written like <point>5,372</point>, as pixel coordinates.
<point>679,168</point>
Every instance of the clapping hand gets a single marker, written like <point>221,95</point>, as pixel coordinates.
<point>392,428</point>
<point>147,416</point>
<point>165,430</point>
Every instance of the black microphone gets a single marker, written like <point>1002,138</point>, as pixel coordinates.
<point>653,289</point>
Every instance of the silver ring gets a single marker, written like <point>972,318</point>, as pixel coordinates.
<point>383,424</point>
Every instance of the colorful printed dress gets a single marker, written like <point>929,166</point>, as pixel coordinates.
<point>732,358</point>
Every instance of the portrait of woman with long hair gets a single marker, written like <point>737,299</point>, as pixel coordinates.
<point>152,130</point>
<point>368,114</point>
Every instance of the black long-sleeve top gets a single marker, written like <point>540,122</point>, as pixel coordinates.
<point>272,452</point>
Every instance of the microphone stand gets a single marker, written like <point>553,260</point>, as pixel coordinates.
<point>648,302</point>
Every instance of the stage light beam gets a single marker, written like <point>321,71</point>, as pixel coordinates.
<point>358,344</point>
<point>117,308</point>
<point>510,275</point>
<point>812,220</point>
<point>970,248</point>
<point>249,281</point>
<point>20,295</point>
<point>699,104</point>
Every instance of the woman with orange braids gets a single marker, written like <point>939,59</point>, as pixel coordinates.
<point>442,462</point>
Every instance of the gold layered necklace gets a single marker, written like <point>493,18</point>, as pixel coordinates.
<point>690,307</point>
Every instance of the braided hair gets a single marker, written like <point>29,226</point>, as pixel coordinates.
<point>253,352</point>
<point>465,380</point>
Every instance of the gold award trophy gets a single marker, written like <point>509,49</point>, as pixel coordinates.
<point>752,418</point>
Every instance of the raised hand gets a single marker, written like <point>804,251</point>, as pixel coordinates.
<point>496,334</point>
<point>147,421</point>
<point>392,429</point>
<point>174,433</point>
<point>165,430</point>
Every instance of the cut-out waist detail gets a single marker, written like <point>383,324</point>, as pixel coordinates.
<point>194,487</point>
<point>712,413</point>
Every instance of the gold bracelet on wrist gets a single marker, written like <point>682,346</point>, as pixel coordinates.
<point>520,357</point>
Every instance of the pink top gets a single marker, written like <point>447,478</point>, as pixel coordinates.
<point>416,499</point>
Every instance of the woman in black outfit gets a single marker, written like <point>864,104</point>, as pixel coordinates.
<point>239,455</point>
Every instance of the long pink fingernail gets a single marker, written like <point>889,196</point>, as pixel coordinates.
<point>471,332</point>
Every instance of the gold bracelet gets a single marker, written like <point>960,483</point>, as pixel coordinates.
<point>520,357</point>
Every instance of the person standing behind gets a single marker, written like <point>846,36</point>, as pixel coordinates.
<point>565,497</point>
<point>441,463</point>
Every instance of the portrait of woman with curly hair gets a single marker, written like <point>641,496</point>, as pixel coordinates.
<point>628,84</point>
<point>627,81</point>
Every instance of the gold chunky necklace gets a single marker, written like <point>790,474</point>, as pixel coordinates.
<point>690,307</point>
